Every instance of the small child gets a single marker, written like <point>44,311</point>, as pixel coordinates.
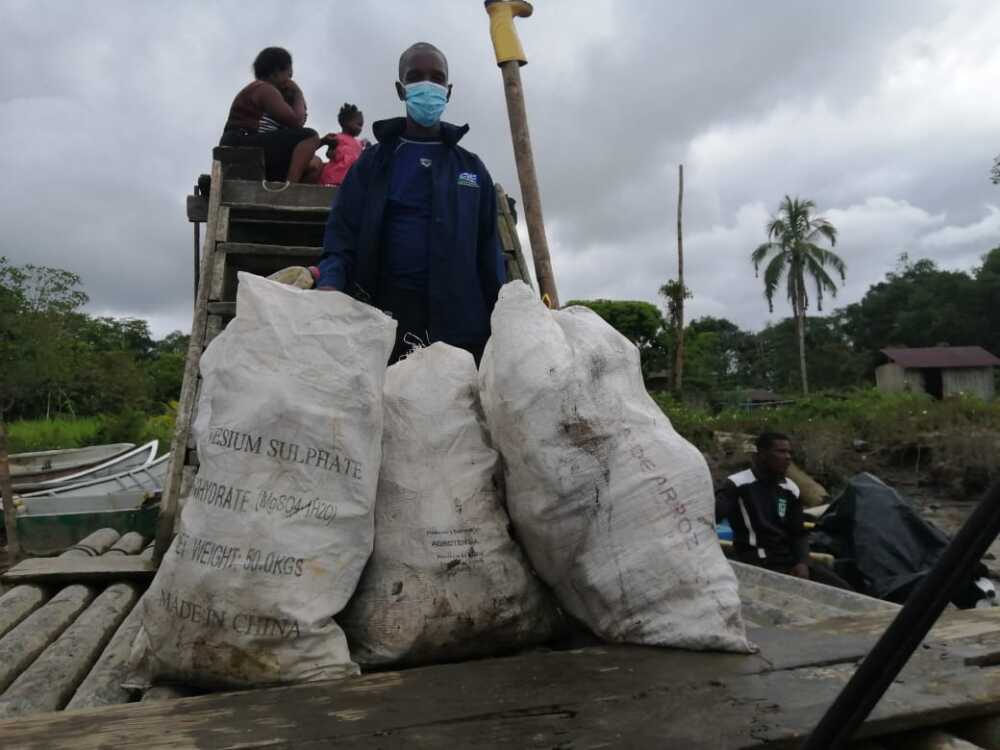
<point>346,148</point>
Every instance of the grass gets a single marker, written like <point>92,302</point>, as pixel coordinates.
<point>956,432</point>
<point>903,427</point>
<point>69,432</point>
<point>51,434</point>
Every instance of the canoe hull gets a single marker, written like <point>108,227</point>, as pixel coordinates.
<point>148,478</point>
<point>43,465</point>
<point>127,461</point>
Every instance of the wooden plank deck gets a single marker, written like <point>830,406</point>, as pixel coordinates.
<point>611,696</point>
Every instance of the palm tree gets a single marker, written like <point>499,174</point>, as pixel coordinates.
<point>792,236</point>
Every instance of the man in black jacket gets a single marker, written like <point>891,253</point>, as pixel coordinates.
<point>765,512</point>
<point>413,229</point>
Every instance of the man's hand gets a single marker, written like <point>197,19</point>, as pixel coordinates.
<point>800,570</point>
<point>330,139</point>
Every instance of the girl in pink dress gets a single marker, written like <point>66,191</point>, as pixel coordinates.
<point>346,149</point>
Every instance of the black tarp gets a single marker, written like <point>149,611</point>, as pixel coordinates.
<point>881,544</point>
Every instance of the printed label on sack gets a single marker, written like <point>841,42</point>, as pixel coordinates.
<point>455,544</point>
<point>285,451</point>
<point>221,556</point>
<point>243,623</point>
<point>665,492</point>
<point>222,496</point>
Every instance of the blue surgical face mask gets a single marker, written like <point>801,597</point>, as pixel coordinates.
<point>425,102</point>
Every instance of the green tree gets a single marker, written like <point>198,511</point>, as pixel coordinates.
<point>793,234</point>
<point>36,345</point>
<point>834,362</point>
<point>919,304</point>
<point>987,301</point>
<point>720,356</point>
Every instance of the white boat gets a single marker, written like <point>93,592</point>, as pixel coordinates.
<point>44,465</point>
<point>149,478</point>
<point>133,459</point>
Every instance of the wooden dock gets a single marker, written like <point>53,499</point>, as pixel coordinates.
<point>597,697</point>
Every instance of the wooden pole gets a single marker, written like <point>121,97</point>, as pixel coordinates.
<point>7,491</point>
<point>510,57</point>
<point>679,349</point>
<point>530,194</point>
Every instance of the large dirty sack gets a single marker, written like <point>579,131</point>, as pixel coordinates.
<point>445,580</point>
<point>613,507</point>
<point>279,522</point>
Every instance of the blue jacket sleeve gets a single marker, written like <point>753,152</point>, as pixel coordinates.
<point>492,271</point>
<point>343,227</point>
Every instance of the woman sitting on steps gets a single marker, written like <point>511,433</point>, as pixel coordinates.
<point>288,145</point>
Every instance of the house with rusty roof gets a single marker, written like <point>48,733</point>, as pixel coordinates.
<point>939,371</point>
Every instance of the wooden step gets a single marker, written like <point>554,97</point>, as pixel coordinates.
<point>223,309</point>
<point>232,249</point>
<point>250,195</point>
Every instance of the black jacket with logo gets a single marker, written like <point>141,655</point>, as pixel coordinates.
<point>766,517</point>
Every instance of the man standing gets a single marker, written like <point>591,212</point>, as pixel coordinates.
<point>413,229</point>
<point>765,512</point>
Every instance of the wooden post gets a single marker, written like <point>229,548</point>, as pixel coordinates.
<point>7,491</point>
<point>197,256</point>
<point>530,194</point>
<point>510,57</point>
<point>189,390</point>
<point>682,293</point>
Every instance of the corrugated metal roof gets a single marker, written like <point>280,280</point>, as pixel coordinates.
<point>942,356</point>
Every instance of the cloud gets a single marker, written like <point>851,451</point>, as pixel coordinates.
<point>884,115</point>
<point>982,232</point>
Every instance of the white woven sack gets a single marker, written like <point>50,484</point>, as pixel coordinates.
<point>615,510</point>
<point>445,580</point>
<point>279,523</point>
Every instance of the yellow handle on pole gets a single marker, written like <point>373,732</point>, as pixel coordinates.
<point>506,43</point>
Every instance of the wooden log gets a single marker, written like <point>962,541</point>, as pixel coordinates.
<point>81,570</point>
<point>22,645</point>
<point>103,685</point>
<point>52,679</point>
<point>131,543</point>
<point>17,604</point>
<point>24,599</point>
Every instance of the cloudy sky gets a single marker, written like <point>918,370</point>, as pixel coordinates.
<point>884,113</point>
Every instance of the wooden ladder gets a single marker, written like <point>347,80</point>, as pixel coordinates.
<point>258,227</point>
